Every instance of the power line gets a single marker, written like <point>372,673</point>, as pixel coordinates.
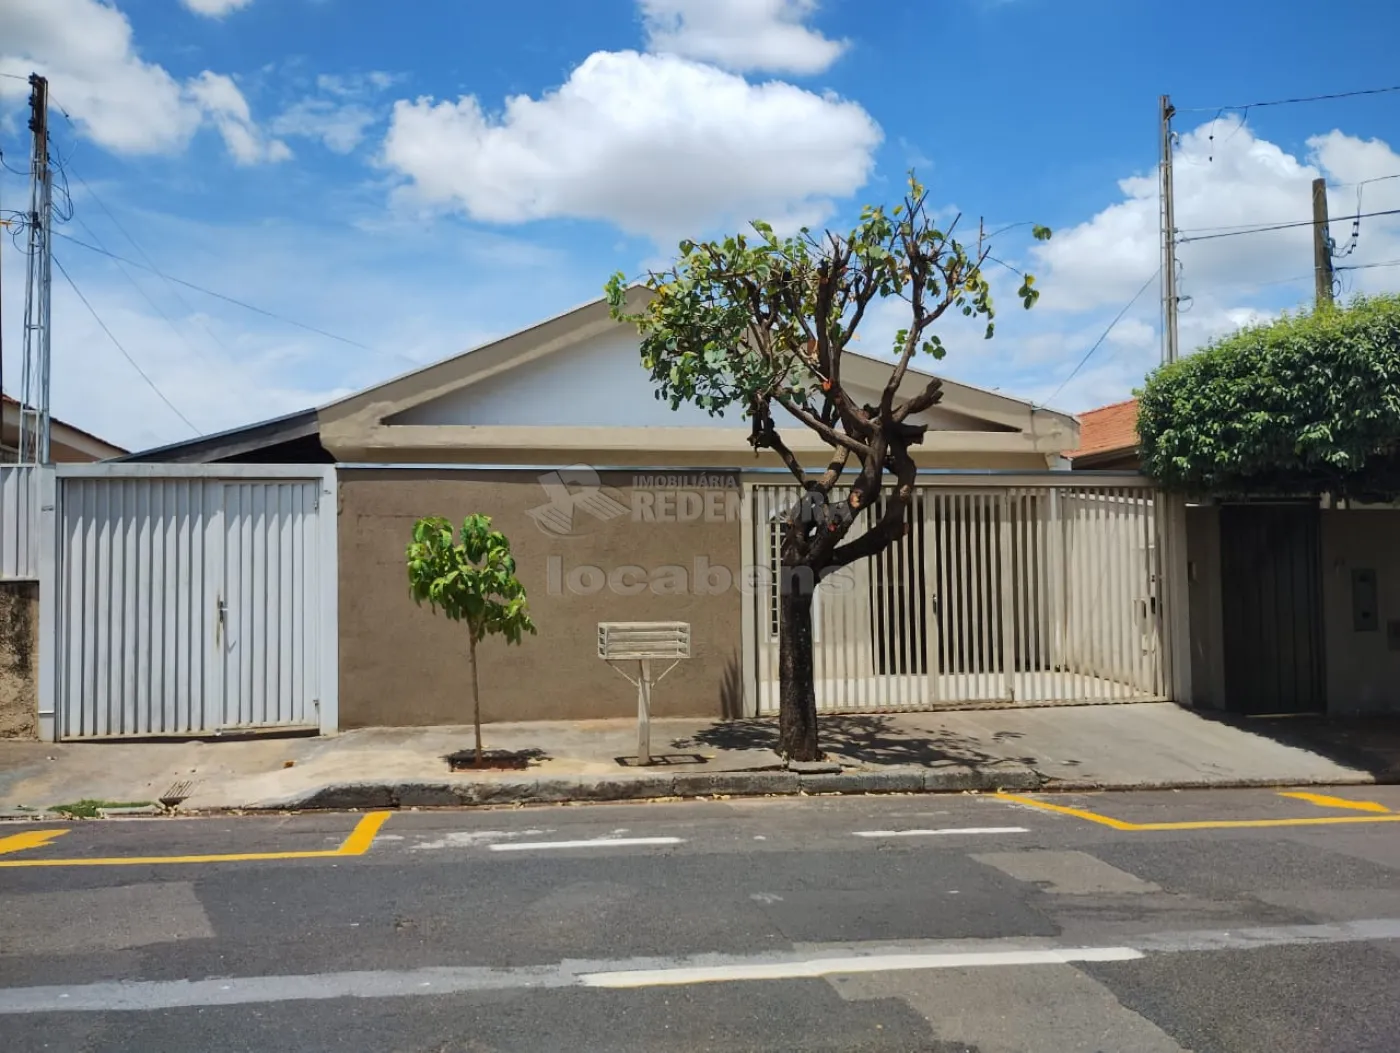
<point>146,256</point>
<point>1282,226</point>
<point>150,266</point>
<point>1370,266</point>
<point>216,295</point>
<point>151,383</point>
<point>1111,326</point>
<point>1288,102</point>
<point>147,297</point>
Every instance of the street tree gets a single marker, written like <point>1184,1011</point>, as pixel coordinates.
<point>760,323</point>
<point>469,578</point>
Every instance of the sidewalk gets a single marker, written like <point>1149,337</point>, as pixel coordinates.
<point>1147,745</point>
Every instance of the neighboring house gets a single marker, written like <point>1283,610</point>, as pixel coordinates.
<point>1108,439</point>
<point>621,509</point>
<point>67,444</point>
<point>1294,604</point>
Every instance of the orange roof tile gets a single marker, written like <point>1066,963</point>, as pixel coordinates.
<point>1107,429</point>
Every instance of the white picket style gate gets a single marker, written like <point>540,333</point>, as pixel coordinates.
<point>1032,592</point>
<point>192,600</point>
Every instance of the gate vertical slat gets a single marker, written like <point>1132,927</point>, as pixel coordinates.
<point>1127,674</point>
<point>938,594</point>
<point>142,529</point>
<point>103,659</point>
<point>1097,609</point>
<point>960,558</point>
<point>1006,645</point>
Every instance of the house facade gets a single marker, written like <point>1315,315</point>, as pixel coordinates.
<point>1018,582</point>
<point>1294,604</point>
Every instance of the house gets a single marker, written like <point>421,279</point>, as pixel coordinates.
<point>67,444</point>
<point>1294,603</point>
<point>1017,583</point>
<point>1108,439</point>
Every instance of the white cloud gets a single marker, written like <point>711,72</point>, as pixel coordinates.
<point>340,116</point>
<point>741,34</point>
<point>656,144</point>
<point>119,100</point>
<point>356,85</point>
<point>341,128</point>
<point>220,98</point>
<point>410,294</point>
<point>215,8</point>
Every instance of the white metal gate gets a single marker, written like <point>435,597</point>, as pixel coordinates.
<point>1035,593</point>
<point>191,603</point>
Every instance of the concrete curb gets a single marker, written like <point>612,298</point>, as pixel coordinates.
<point>1360,778</point>
<point>595,788</point>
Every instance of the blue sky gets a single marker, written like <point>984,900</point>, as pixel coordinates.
<point>418,177</point>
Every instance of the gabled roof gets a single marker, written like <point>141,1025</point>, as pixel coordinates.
<point>1107,430</point>
<point>368,425</point>
<point>82,444</point>
<point>234,442</point>
<point>373,420</point>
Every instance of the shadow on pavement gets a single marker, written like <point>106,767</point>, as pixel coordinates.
<point>1371,744</point>
<point>872,739</point>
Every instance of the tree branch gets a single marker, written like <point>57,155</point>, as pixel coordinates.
<point>930,396</point>
<point>828,434</point>
<point>765,436</point>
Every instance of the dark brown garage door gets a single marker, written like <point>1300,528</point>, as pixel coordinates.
<point>1272,608</point>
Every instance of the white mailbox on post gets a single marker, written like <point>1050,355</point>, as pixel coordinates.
<point>643,643</point>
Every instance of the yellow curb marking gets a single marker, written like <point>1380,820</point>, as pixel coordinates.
<point>1204,824</point>
<point>28,839</point>
<point>357,844</point>
<point>1324,801</point>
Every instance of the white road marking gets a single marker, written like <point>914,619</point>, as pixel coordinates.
<point>874,963</point>
<point>597,842</point>
<point>142,996</point>
<point>942,832</point>
<point>471,838</point>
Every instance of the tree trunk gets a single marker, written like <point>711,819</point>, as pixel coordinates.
<point>476,702</point>
<point>797,707</point>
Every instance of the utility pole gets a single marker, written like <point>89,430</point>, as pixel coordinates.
<point>1169,297</point>
<point>34,393</point>
<point>1322,244</point>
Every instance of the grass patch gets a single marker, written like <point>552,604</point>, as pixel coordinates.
<point>91,809</point>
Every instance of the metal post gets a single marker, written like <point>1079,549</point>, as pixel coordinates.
<point>1169,297</point>
<point>34,393</point>
<point>644,712</point>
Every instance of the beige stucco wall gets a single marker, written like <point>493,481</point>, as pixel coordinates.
<point>402,665</point>
<point>1363,671</point>
<point>1203,584</point>
<point>19,659</point>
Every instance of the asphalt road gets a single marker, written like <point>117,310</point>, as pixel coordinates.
<point>915,923</point>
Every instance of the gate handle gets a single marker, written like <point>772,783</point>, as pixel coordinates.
<point>223,620</point>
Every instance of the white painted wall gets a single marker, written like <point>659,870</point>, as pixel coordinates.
<point>598,383</point>
<point>1363,673</point>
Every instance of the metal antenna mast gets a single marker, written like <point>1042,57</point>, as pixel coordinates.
<point>34,390</point>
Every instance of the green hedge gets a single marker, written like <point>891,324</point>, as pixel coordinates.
<point>1309,403</point>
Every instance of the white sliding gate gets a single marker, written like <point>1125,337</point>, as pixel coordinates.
<point>1038,592</point>
<point>193,600</point>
